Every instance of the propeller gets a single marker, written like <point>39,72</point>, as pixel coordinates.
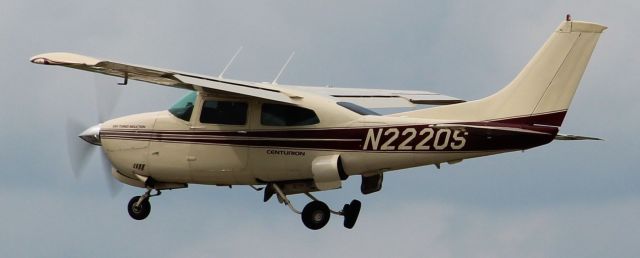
<point>78,150</point>
<point>83,138</point>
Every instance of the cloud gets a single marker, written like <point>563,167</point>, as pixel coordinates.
<point>432,229</point>
<point>66,223</point>
<point>562,200</point>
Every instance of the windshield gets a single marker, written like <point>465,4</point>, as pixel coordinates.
<point>183,108</point>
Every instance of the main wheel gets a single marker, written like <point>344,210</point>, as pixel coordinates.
<point>139,212</point>
<point>351,212</point>
<point>315,215</point>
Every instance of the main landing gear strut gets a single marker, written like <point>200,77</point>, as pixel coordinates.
<point>315,214</point>
<point>139,207</point>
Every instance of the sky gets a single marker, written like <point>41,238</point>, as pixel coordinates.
<point>565,199</point>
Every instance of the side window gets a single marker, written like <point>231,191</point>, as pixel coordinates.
<point>285,115</point>
<point>224,112</point>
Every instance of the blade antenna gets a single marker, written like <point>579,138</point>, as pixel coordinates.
<point>230,62</point>
<point>275,81</point>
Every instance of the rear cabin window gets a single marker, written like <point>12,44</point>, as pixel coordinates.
<point>286,115</point>
<point>224,112</point>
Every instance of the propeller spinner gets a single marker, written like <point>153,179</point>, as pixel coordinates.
<point>92,135</point>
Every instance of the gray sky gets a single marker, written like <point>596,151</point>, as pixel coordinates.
<point>566,199</point>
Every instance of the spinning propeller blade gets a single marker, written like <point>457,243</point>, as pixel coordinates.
<point>80,135</point>
<point>114,185</point>
<point>78,150</point>
<point>107,94</point>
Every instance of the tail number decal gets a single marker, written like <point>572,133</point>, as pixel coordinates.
<point>389,139</point>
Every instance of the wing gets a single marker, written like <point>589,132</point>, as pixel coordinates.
<point>371,98</point>
<point>379,98</point>
<point>164,76</point>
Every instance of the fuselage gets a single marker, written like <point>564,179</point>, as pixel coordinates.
<point>253,149</point>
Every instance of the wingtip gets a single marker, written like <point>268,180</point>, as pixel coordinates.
<point>61,58</point>
<point>39,59</point>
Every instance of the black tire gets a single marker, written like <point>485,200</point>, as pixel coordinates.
<point>315,215</point>
<point>351,212</point>
<point>139,213</point>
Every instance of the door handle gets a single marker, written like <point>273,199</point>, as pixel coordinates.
<point>242,132</point>
<point>191,158</point>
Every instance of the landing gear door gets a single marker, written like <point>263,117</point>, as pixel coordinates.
<point>219,153</point>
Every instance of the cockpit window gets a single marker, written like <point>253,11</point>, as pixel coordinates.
<point>184,107</point>
<point>224,112</point>
<point>358,109</point>
<point>286,115</point>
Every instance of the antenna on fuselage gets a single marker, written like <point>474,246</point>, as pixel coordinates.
<point>275,81</point>
<point>230,61</point>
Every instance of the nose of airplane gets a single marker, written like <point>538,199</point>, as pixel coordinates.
<point>92,135</point>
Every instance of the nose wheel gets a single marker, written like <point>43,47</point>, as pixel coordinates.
<point>316,214</point>
<point>139,207</point>
<point>139,211</point>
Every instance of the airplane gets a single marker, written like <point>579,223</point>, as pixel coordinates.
<point>302,139</point>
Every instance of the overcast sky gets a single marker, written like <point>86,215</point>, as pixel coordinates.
<point>566,199</point>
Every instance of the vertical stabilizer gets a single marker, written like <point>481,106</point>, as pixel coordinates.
<point>542,92</point>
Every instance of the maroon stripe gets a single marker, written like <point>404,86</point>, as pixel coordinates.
<point>351,139</point>
<point>333,133</point>
<point>507,126</point>
<point>549,119</point>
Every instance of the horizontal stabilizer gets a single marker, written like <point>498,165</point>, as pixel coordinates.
<point>571,137</point>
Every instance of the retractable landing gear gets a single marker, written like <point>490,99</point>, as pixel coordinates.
<point>139,207</point>
<point>316,214</point>
<point>350,212</point>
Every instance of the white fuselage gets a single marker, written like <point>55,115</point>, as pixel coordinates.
<point>169,149</point>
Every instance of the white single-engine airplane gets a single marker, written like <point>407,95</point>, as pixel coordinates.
<point>299,139</point>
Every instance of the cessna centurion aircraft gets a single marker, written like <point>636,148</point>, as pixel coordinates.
<point>300,139</point>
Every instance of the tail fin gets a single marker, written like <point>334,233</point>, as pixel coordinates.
<point>542,92</point>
